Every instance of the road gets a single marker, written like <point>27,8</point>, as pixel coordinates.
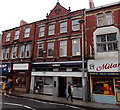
<point>13,102</point>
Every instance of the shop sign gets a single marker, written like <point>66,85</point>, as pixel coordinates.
<point>5,67</point>
<point>20,66</point>
<point>103,66</point>
<point>55,64</point>
<point>104,73</point>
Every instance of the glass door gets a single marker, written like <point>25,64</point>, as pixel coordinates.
<point>117,89</point>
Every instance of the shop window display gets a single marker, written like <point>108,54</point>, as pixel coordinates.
<point>103,86</point>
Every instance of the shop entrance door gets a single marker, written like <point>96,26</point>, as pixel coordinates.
<point>117,89</point>
<point>62,87</point>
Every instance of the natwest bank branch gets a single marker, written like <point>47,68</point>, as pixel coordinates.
<point>104,76</point>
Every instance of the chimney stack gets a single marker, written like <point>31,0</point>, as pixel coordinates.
<point>22,22</point>
<point>91,4</point>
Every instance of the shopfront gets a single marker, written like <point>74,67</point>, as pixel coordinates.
<point>21,75</point>
<point>54,78</point>
<point>104,83</point>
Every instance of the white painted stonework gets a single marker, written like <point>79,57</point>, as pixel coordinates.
<point>106,55</point>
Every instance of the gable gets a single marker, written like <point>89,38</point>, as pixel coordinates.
<point>58,10</point>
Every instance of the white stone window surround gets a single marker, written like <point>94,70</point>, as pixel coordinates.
<point>106,55</point>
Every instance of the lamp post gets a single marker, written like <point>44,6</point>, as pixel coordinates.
<point>81,21</point>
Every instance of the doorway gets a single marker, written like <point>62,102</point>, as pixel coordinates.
<point>62,86</point>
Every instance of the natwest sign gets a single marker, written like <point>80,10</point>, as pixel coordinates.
<point>103,66</point>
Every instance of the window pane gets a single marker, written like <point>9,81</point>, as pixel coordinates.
<point>51,29</point>
<point>100,19</point>
<point>101,47</point>
<point>22,49</point>
<point>63,48</point>
<point>16,35</point>
<point>75,47</point>
<point>111,37</point>
<point>75,25</point>
<point>27,32</point>
<point>8,37</point>
<point>40,50</point>
<point>108,18</point>
<point>41,33</point>
<point>63,27</point>
<point>27,50</point>
<point>51,49</point>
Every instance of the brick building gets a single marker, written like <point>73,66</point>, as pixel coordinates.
<point>45,55</point>
<point>103,39</point>
<point>17,45</point>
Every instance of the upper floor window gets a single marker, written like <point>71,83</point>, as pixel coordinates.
<point>108,18</point>
<point>14,52</point>
<point>75,47</point>
<point>63,27</point>
<point>100,19</point>
<point>7,37</point>
<point>16,35</point>
<point>40,50</point>
<point>63,48</point>
<point>51,29</point>
<point>27,32</point>
<point>5,52</point>
<point>104,18</point>
<point>50,49</point>
<point>41,31</point>
<point>25,51</point>
<point>22,48</point>
<point>107,42</point>
<point>75,25</point>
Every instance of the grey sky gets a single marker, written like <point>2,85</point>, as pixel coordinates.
<point>13,11</point>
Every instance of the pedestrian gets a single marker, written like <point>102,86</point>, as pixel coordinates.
<point>4,87</point>
<point>70,90</point>
<point>8,86</point>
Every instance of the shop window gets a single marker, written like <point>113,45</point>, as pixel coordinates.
<point>103,86</point>
<point>77,82</point>
<point>48,81</point>
<point>21,81</point>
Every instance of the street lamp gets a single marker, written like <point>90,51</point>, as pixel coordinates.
<point>81,21</point>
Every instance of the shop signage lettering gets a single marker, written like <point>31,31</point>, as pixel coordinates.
<point>107,66</point>
<point>105,73</point>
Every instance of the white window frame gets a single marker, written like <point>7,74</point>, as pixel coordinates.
<point>22,51</point>
<point>16,35</point>
<point>40,48</point>
<point>27,33</point>
<point>42,31</point>
<point>76,45</point>
<point>14,52</point>
<point>63,27</point>
<point>51,30</point>
<point>50,46</point>
<point>106,43</point>
<point>75,25</point>
<point>63,48</point>
<point>100,19</point>
<point>8,37</point>
<point>27,50</point>
<point>108,16</point>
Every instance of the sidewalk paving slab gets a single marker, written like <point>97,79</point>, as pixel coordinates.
<point>76,102</point>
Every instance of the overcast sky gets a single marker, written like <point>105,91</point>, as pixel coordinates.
<point>13,11</point>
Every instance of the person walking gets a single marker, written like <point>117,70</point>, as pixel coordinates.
<point>4,87</point>
<point>70,90</point>
<point>8,86</point>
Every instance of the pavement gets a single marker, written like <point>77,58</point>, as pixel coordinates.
<point>76,102</point>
